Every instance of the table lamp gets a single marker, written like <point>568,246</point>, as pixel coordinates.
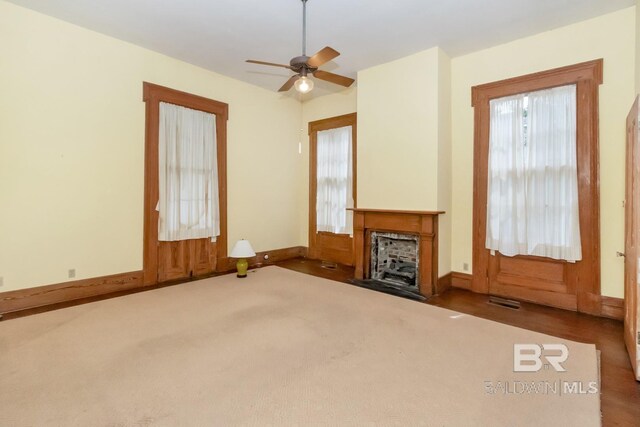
<point>242,250</point>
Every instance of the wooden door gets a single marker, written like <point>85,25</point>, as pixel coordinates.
<point>574,286</point>
<point>324,245</point>
<point>164,261</point>
<point>632,240</point>
<point>543,280</point>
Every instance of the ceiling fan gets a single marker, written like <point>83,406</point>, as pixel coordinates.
<point>304,65</point>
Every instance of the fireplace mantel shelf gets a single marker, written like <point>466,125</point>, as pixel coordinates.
<point>397,211</point>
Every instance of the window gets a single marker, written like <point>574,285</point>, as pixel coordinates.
<point>334,184</point>
<point>188,202</point>
<point>532,194</point>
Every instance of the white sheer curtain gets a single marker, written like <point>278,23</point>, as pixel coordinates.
<point>188,174</point>
<point>532,201</point>
<point>506,214</point>
<point>334,180</point>
<point>552,175</point>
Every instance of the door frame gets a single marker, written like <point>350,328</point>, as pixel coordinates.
<point>631,230</point>
<point>587,77</point>
<point>314,128</point>
<point>152,96</point>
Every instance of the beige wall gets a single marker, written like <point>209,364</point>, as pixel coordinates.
<point>610,37</point>
<point>403,138</point>
<point>398,129</point>
<point>324,107</point>
<point>72,146</point>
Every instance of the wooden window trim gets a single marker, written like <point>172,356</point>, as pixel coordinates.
<point>314,128</point>
<point>152,96</point>
<point>587,76</point>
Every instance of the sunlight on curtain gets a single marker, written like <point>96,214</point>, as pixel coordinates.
<point>506,215</point>
<point>188,174</point>
<point>334,181</point>
<point>532,198</point>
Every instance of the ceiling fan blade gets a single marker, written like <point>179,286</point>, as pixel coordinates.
<point>323,55</point>
<point>333,78</point>
<point>285,87</point>
<point>268,63</point>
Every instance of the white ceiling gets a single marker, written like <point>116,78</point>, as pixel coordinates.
<point>221,34</point>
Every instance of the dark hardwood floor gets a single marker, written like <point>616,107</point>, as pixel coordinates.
<point>620,391</point>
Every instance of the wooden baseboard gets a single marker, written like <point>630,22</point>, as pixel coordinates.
<point>62,292</point>
<point>454,279</point>
<point>53,295</point>
<point>612,307</point>
<point>276,255</point>
<point>461,280</point>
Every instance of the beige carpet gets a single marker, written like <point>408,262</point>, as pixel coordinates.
<point>277,348</point>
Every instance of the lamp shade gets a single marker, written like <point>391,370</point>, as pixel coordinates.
<point>242,249</point>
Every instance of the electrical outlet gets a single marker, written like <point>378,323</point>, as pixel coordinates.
<point>465,266</point>
<point>72,273</point>
<point>1,281</point>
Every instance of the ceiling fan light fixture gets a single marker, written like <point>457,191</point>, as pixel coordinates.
<point>303,64</point>
<point>304,84</point>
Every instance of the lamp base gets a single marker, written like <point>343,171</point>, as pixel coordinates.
<point>242,265</point>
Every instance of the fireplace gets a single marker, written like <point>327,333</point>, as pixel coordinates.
<point>394,259</point>
<point>398,233</point>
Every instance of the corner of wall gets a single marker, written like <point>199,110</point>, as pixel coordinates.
<point>444,161</point>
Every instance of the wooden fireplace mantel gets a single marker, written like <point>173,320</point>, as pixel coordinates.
<point>421,223</point>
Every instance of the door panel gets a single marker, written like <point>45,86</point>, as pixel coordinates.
<point>204,257</point>
<point>538,279</point>
<point>173,260</point>
<point>334,247</point>
<point>632,236</point>
<point>185,258</point>
<point>539,296</point>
